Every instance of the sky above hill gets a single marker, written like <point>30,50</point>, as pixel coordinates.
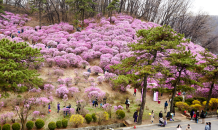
<point>209,6</point>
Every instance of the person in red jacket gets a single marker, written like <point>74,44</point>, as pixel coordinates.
<point>134,92</point>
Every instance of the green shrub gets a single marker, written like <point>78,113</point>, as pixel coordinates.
<point>65,123</point>
<point>94,117</point>
<point>52,125</point>
<point>16,126</point>
<point>39,123</point>
<point>0,127</point>
<point>6,127</point>
<point>189,101</point>
<point>29,125</point>
<point>201,99</point>
<point>58,124</point>
<point>88,118</point>
<point>177,99</point>
<point>120,113</point>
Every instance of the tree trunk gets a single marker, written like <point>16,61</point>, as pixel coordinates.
<point>121,5</point>
<point>40,15</point>
<point>209,96</point>
<point>83,15</point>
<point>174,90</point>
<point>23,123</point>
<point>142,107</point>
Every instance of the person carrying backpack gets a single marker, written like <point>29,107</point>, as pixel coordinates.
<point>135,116</point>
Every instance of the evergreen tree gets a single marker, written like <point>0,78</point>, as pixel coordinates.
<point>1,9</point>
<point>81,7</point>
<point>209,73</point>
<point>141,65</point>
<point>15,61</point>
<point>180,63</point>
<point>114,5</point>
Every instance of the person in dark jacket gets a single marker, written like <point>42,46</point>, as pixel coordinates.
<point>58,107</point>
<point>192,113</point>
<point>160,114</point>
<point>135,116</point>
<point>165,106</point>
<point>196,117</point>
<point>202,116</point>
<point>78,108</point>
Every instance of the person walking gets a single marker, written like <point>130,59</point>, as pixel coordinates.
<point>78,108</point>
<point>104,100</point>
<point>207,127</point>
<point>165,106</point>
<point>192,113</point>
<point>134,92</point>
<point>58,107</point>
<point>202,116</point>
<point>179,127</point>
<point>96,102</point>
<point>188,127</point>
<point>49,108</point>
<point>197,116</point>
<point>135,116</point>
<point>152,117</point>
<point>160,114</point>
<point>127,103</point>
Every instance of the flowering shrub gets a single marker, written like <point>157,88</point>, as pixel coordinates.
<point>107,106</point>
<point>65,98</point>
<point>36,114</point>
<point>118,108</point>
<point>106,116</point>
<point>77,120</point>
<point>36,90</point>
<point>73,90</point>
<point>196,102</point>
<point>68,81</point>
<point>96,69</point>
<point>100,79</point>
<point>62,91</point>
<point>83,64</point>
<point>108,76</point>
<point>182,105</point>
<point>48,87</point>
<point>86,75</point>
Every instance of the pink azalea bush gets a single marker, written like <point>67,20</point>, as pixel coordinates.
<point>62,91</point>
<point>118,108</point>
<point>96,69</point>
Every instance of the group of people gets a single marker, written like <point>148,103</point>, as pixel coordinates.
<point>195,115</point>
<point>95,102</point>
<point>65,112</point>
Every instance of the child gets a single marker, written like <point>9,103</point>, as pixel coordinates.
<point>49,107</point>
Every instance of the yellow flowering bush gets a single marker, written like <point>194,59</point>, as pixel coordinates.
<point>213,102</point>
<point>182,105</point>
<point>77,119</point>
<point>204,103</point>
<point>196,106</point>
<point>106,116</point>
<point>196,102</point>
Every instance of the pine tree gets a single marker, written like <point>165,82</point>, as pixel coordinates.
<point>81,7</point>
<point>181,61</point>
<point>209,73</point>
<point>141,64</point>
<point>15,60</point>
<point>114,5</point>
